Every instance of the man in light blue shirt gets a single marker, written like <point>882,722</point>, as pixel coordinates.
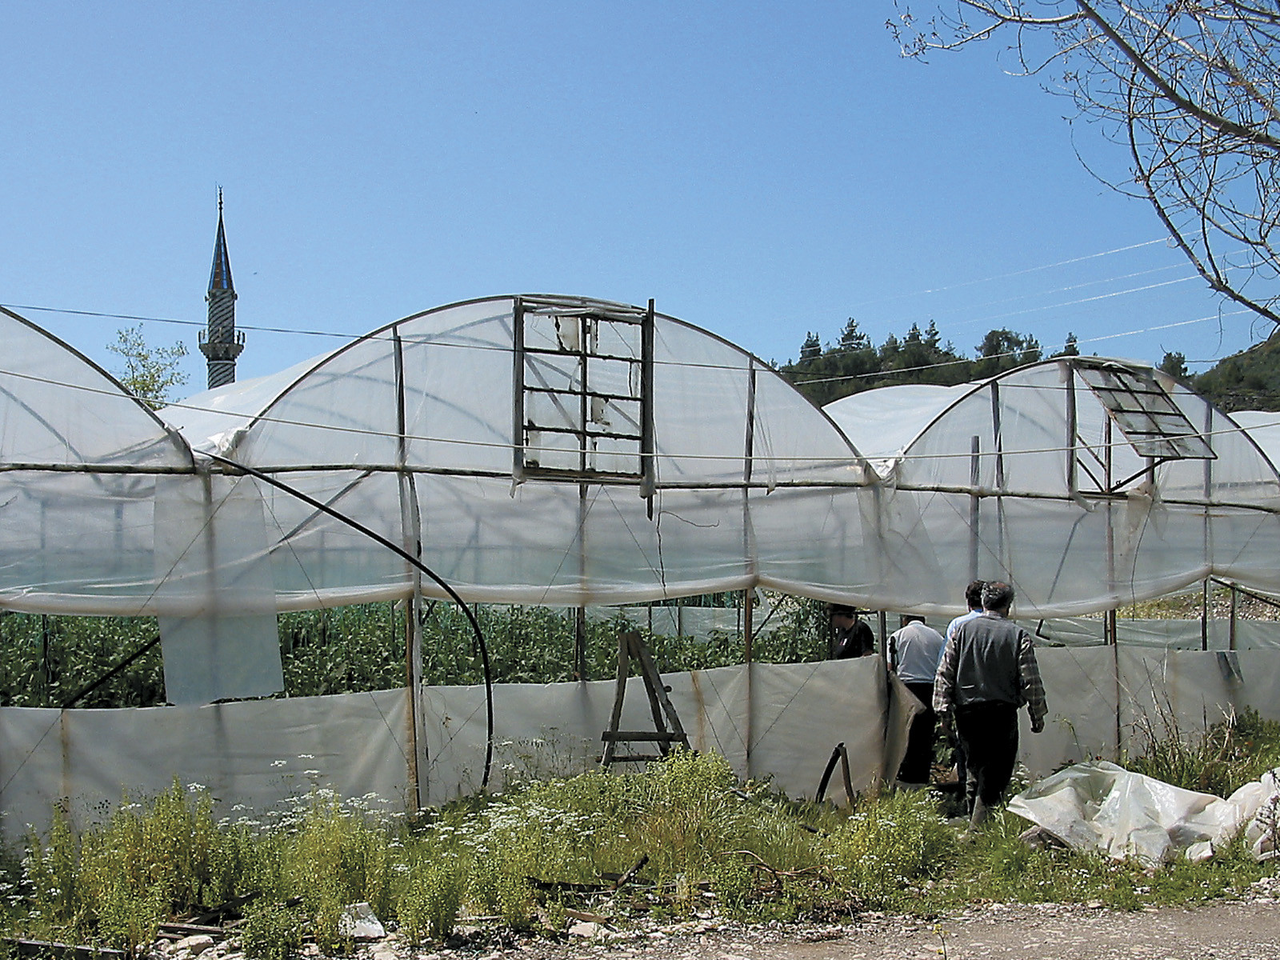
<point>972,597</point>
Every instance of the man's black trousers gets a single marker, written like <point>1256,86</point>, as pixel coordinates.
<point>918,762</point>
<point>988,733</point>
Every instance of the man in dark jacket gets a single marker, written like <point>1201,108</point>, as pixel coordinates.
<point>988,670</point>
<point>850,636</point>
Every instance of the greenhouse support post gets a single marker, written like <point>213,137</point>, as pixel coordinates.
<point>411,535</point>
<point>580,643</point>
<point>411,690</point>
<point>1231,635</point>
<point>1207,492</point>
<point>747,654</point>
<point>1204,615</point>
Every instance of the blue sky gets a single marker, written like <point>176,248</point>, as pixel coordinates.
<point>761,170</point>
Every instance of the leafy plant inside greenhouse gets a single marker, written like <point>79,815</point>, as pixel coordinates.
<point>46,661</point>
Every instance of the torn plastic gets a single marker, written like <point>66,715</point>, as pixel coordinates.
<point>1099,807</point>
<point>360,922</point>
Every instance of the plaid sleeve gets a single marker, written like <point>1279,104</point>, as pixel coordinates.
<point>944,681</point>
<point>1032,685</point>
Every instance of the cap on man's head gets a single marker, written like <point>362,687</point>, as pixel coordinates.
<point>842,610</point>
<point>997,595</point>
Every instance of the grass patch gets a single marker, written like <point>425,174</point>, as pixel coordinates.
<point>689,838</point>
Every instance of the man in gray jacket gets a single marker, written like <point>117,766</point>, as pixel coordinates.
<point>988,670</point>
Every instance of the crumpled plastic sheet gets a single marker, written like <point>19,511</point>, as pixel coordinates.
<point>1102,808</point>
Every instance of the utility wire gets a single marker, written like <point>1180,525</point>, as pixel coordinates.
<point>349,338</point>
<point>1015,273</point>
<point>671,457</point>
<point>704,365</point>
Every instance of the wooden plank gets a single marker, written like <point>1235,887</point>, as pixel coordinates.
<point>48,948</point>
<point>659,691</point>
<point>620,691</point>
<point>630,645</point>
<point>652,681</point>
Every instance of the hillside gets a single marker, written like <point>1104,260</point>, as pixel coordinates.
<point>1249,380</point>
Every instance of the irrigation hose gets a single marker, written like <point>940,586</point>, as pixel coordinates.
<point>418,564</point>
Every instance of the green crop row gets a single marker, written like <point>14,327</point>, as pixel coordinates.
<point>46,661</point>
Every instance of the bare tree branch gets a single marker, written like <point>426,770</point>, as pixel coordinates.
<point>1189,87</point>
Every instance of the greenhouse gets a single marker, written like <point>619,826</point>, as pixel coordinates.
<point>1085,483</point>
<point>570,452</point>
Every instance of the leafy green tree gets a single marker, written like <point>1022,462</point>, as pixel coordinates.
<point>149,372</point>
<point>852,339</point>
<point>1249,380</point>
<point>1069,349</point>
<point>1003,350</point>
<point>1175,364</point>
<point>811,349</point>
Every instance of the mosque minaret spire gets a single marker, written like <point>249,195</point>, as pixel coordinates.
<point>220,343</point>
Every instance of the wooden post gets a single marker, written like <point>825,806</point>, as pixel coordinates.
<point>411,671</point>
<point>1231,635</point>
<point>746,628</point>
<point>1204,615</point>
<point>580,645</point>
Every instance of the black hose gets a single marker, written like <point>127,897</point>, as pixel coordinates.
<point>118,668</point>
<point>405,555</point>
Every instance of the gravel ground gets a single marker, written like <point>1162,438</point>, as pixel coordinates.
<point>1225,931</point>
<point>1245,929</point>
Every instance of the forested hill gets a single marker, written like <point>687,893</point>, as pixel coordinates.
<point>853,364</point>
<point>826,372</point>
<point>1247,381</point>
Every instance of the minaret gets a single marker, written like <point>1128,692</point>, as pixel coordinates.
<point>220,343</point>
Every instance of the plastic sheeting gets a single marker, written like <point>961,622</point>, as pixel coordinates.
<point>771,721</point>
<point>1086,483</point>
<point>1216,635</point>
<point>1099,807</point>
<point>259,754</point>
<point>558,450</point>
<point>79,461</point>
<point>701,469</point>
<point>105,512</point>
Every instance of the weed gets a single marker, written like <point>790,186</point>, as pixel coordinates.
<point>1235,751</point>
<point>890,845</point>
<point>430,904</point>
<point>686,832</point>
<point>273,932</point>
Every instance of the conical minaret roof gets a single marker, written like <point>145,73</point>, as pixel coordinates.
<point>220,275</point>
<point>220,342</point>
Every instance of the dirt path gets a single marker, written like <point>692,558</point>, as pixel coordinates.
<point>1220,931</point>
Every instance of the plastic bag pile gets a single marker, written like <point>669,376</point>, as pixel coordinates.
<point>1102,808</point>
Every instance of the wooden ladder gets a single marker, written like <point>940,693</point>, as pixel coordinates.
<point>631,647</point>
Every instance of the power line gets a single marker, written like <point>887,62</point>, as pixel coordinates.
<point>1232,430</point>
<point>1015,273</point>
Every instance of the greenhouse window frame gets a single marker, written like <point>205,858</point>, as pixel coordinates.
<point>578,401</point>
